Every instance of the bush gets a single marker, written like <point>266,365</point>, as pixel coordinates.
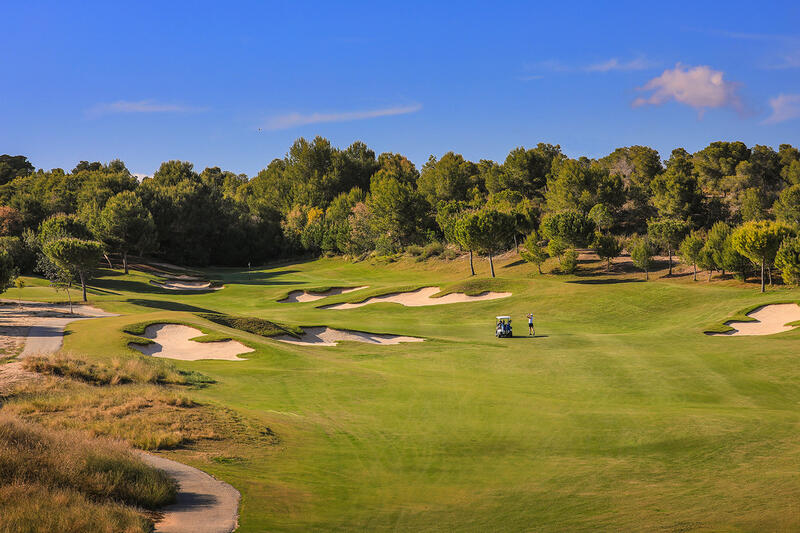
<point>414,250</point>
<point>450,254</point>
<point>569,261</point>
<point>433,249</point>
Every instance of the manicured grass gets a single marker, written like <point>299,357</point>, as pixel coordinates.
<point>620,415</point>
<point>250,324</point>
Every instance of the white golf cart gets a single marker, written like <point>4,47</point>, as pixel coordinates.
<point>503,327</point>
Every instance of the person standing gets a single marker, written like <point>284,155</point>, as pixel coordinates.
<point>530,324</point>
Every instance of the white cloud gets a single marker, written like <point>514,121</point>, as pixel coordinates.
<point>291,120</point>
<point>784,107</point>
<point>699,87</point>
<point>640,63</point>
<point>142,106</point>
<point>140,176</point>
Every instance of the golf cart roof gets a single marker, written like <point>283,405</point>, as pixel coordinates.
<point>504,318</point>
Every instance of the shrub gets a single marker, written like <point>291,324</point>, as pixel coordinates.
<point>450,254</point>
<point>414,250</point>
<point>569,261</point>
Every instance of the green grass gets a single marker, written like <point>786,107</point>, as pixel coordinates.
<point>619,416</point>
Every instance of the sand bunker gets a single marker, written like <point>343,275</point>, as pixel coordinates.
<point>186,285</point>
<point>421,297</point>
<point>770,319</point>
<point>311,296</point>
<point>172,341</point>
<point>323,336</point>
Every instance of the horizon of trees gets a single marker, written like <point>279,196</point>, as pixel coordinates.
<point>322,199</point>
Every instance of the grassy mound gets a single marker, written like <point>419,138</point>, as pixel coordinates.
<point>114,372</point>
<point>65,481</point>
<point>257,326</point>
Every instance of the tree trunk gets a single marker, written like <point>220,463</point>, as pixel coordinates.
<point>83,286</point>
<point>769,274</point>
<point>722,274</point>
<point>69,297</point>
<point>646,275</point>
<point>491,264</point>
<point>608,264</point>
<point>695,271</point>
<point>762,275</point>
<point>709,274</point>
<point>125,261</point>
<point>539,267</point>
<point>516,246</point>
<point>108,260</point>
<point>669,251</point>
<point>471,267</point>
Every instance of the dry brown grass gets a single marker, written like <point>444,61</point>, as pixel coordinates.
<point>68,481</point>
<point>146,415</point>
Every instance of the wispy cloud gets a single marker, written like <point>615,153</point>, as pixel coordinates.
<point>699,87</point>
<point>639,63</point>
<point>787,51</point>
<point>292,120</point>
<point>784,107</point>
<point>609,65</point>
<point>141,106</point>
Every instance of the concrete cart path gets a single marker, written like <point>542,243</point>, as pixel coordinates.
<point>204,504</point>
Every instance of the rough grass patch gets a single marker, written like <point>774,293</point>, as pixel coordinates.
<point>257,326</point>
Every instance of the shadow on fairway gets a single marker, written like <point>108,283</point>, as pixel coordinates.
<point>607,281</point>
<point>169,306</point>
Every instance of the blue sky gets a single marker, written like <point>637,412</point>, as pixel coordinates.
<point>234,85</point>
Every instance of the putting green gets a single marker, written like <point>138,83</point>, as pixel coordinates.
<point>619,415</point>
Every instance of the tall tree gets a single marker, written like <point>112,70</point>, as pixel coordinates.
<point>690,250</point>
<point>76,256</point>
<point>759,242</point>
<point>668,232</point>
<point>488,231</point>
<point>642,254</point>
<point>788,260</point>
<point>125,225</point>
<point>533,251</point>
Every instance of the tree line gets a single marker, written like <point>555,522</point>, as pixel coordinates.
<point>727,207</point>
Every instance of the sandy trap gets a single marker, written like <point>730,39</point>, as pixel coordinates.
<point>324,336</point>
<point>186,285</point>
<point>769,319</point>
<point>421,297</point>
<point>310,296</point>
<point>172,341</point>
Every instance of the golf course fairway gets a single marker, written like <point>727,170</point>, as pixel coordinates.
<point>620,415</point>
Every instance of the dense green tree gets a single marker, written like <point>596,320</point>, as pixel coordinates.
<point>676,194</point>
<point>398,210</point>
<point>667,232</point>
<point>602,217</point>
<point>642,251</point>
<point>488,232</point>
<point>14,166</point>
<point>759,242</point>
<point>790,164</point>
<point>8,273</point>
<point>446,179</point>
<point>125,225</point>
<point>608,247</point>
<point>690,250</point>
<point>788,260</point>
<point>11,222</point>
<point>533,251</point>
<point>76,256</point>
<point>787,206</point>
<point>569,227</point>
<point>716,161</point>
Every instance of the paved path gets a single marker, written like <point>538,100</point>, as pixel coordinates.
<point>204,505</point>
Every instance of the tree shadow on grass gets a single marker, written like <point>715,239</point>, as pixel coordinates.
<point>169,306</point>
<point>515,263</point>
